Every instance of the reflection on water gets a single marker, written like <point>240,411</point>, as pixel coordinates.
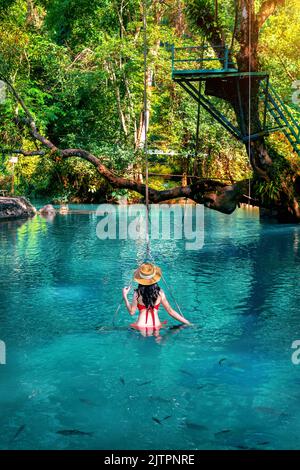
<point>228,382</point>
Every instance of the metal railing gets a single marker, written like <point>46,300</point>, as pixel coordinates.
<point>201,58</point>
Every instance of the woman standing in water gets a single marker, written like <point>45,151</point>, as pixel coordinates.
<point>147,299</point>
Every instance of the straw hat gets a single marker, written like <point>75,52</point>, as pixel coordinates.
<point>147,274</point>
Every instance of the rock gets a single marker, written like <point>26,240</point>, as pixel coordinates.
<point>16,208</point>
<point>278,215</point>
<point>48,209</point>
<point>64,209</point>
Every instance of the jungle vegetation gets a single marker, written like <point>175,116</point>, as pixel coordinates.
<point>73,112</point>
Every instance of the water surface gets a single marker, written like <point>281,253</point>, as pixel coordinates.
<point>227,383</point>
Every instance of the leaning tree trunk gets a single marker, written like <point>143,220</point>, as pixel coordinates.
<point>267,165</point>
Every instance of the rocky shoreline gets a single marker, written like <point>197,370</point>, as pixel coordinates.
<point>16,208</point>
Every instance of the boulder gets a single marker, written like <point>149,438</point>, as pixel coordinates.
<point>16,208</point>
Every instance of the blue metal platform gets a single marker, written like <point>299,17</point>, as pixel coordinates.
<point>198,64</point>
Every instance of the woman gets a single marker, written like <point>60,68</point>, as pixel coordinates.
<point>148,297</point>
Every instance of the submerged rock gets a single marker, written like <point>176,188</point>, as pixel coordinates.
<point>48,209</point>
<point>16,208</point>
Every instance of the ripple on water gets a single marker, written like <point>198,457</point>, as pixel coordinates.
<point>228,382</point>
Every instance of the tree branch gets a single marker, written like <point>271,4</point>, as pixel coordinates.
<point>29,120</point>
<point>213,194</point>
<point>28,153</point>
<point>267,9</point>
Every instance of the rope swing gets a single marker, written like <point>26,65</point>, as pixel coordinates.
<point>149,256</point>
<point>145,115</point>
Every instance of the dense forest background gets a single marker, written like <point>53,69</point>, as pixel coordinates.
<point>79,67</point>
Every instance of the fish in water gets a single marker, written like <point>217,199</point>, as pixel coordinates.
<point>167,417</point>
<point>199,387</point>
<point>73,432</point>
<point>195,426</point>
<point>221,433</point>
<point>19,431</point>
<point>186,372</point>
<point>268,410</point>
<point>232,365</point>
<point>122,381</point>
<point>159,421</point>
<point>86,401</point>
<point>145,383</point>
<point>243,447</point>
<point>160,399</point>
<point>208,385</point>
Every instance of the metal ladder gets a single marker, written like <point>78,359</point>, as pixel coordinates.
<point>282,116</point>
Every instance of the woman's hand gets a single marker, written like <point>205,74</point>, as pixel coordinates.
<point>125,291</point>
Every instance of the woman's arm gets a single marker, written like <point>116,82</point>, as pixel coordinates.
<point>170,310</point>
<point>133,306</point>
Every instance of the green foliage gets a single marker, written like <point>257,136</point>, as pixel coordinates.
<point>202,14</point>
<point>280,49</point>
<point>268,191</point>
<point>78,64</point>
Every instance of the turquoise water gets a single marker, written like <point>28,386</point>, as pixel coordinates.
<point>226,383</point>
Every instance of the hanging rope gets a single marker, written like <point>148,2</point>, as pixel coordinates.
<point>249,96</point>
<point>148,248</point>
<point>198,122</point>
<point>115,316</point>
<point>145,119</point>
<point>145,112</point>
<point>167,286</point>
<point>199,105</point>
<point>149,256</point>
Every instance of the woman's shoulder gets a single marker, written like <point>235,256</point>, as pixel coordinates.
<point>161,294</point>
